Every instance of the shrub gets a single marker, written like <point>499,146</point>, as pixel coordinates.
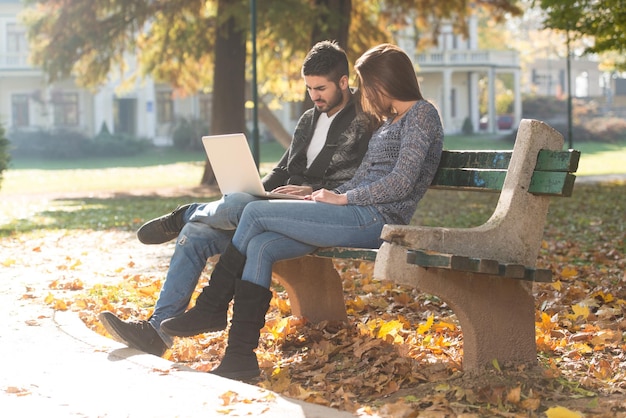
<point>63,144</point>
<point>5,156</point>
<point>187,135</point>
<point>467,128</point>
<point>606,129</point>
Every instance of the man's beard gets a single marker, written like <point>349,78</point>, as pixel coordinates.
<point>332,104</point>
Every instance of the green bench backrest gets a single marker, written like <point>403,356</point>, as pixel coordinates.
<point>486,170</point>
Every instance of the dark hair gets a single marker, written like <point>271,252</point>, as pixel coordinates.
<point>386,71</point>
<point>327,59</point>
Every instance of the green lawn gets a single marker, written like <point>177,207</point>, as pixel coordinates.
<point>167,167</point>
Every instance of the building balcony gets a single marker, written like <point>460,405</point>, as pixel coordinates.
<point>15,61</point>
<point>465,58</point>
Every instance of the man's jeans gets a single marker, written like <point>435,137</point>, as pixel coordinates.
<point>272,230</point>
<point>208,230</point>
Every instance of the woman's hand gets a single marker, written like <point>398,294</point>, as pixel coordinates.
<point>293,189</point>
<point>327,196</point>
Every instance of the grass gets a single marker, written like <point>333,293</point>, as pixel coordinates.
<point>168,168</point>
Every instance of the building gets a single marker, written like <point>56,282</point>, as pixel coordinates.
<point>450,77</point>
<point>27,103</point>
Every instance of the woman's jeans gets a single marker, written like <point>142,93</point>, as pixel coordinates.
<point>208,230</point>
<point>273,230</point>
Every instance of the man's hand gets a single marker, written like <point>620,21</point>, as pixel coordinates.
<point>292,189</point>
<point>327,196</point>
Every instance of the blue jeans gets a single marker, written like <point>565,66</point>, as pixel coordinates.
<point>208,230</point>
<point>273,230</point>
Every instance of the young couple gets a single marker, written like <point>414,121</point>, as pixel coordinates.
<point>349,197</point>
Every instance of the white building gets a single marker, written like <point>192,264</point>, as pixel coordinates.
<point>449,77</point>
<point>27,103</point>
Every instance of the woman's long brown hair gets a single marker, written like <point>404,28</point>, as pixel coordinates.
<point>385,71</point>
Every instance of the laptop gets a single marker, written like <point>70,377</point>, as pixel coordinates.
<point>234,166</point>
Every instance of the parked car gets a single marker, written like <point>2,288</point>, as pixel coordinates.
<point>503,122</point>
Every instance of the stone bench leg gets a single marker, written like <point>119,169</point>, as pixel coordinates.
<point>496,314</point>
<point>314,288</point>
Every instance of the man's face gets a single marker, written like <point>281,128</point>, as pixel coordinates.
<point>327,96</point>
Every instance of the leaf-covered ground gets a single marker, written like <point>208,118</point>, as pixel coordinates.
<point>400,353</point>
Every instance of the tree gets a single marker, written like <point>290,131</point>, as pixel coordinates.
<point>602,20</point>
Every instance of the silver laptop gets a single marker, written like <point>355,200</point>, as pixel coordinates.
<point>234,166</point>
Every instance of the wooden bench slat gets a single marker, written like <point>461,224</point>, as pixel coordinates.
<point>547,160</point>
<point>516,271</point>
<point>542,183</point>
<point>431,259</point>
<point>347,253</point>
<point>566,161</point>
<point>469,179</point>
<point>552,184</point>
<point>538,275</point>
<point>475,159</point>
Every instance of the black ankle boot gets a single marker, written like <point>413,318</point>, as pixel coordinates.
<point>251,304</point>
<point>210,311</point>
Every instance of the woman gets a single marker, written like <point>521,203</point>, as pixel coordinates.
<point>396,171</point>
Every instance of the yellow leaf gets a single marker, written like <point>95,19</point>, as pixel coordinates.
<point>148,290</point>
<point>581,311</point>
<point>228,397</point>
<point>80,304</point>
<point>389,328</point>
<point>423,328</point>
<point>558,285</point>
<point>60,305</point>
<point>8,262</point>
<point>561,412</point>
<point>569,272</point>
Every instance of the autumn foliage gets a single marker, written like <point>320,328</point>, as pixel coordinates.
<point>400,353</point>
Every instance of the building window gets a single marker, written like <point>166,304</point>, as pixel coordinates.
<point>16,38</point>
<point>165,107</point>
<point>19,106</point>
<point>65,108</point>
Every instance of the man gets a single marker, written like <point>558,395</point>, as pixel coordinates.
<point>328,145</point>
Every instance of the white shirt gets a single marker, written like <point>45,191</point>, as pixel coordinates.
<point>319,137</point>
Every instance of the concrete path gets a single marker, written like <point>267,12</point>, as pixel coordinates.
<point>52,365</point>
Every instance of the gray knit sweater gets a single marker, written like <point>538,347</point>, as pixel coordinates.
<point>399,165</point>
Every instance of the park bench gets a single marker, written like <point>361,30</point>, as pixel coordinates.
<point>486,273</point>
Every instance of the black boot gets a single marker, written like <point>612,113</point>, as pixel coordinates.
<point>211,309</point>
<point>251,304</point>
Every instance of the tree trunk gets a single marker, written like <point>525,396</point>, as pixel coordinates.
<point>227,115</point>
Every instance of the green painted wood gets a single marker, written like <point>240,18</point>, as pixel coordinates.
<point>538,275</point>
<point>475,159</point>
<point>542,182</point>
<point>347,253</point>
<point>425,259</point>
<point>547,160</point>
<point>469,179</point>
<point>430,259</point>
<point>516,271</point>
<point>552,183</point>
